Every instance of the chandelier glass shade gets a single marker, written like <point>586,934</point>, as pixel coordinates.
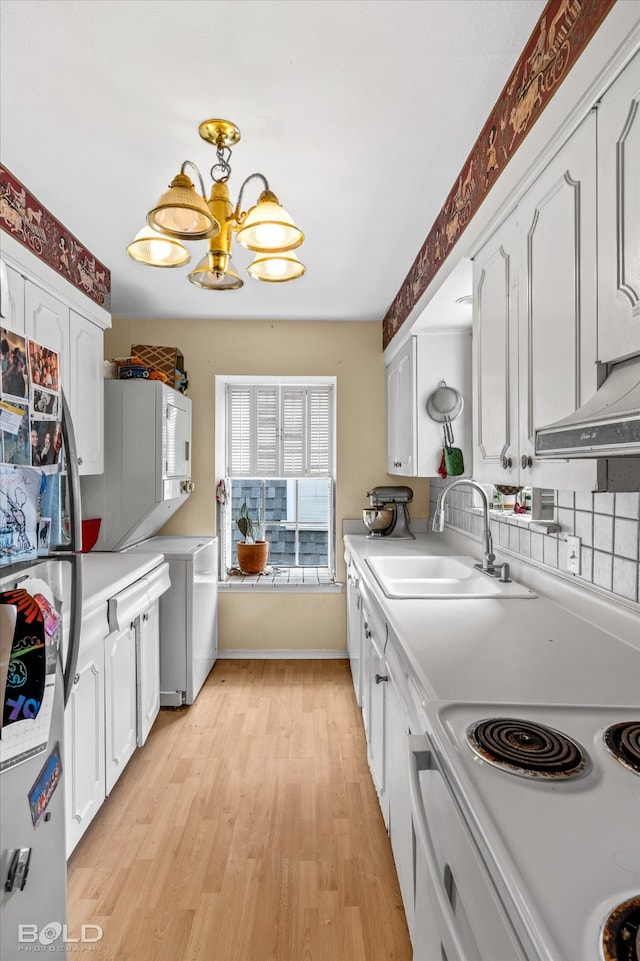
<point>182,214</point>
<point>155,250</point>
<point>268,228</point>
<point>276,268</point>
<point>216,272</point>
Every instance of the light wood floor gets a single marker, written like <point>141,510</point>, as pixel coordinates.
<point>247,829</point>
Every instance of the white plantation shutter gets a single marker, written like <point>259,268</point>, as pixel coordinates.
<point>293,431</point>
<point>280,430</point>
<point>266,432</point>
<point>320,431</point>
<point>239,402</point>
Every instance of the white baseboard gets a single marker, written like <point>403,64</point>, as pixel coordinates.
<point>296,655</point>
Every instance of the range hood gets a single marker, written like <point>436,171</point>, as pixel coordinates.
<point>608,425</point>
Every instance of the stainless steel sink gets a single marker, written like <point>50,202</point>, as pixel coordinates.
<point>439,576</point>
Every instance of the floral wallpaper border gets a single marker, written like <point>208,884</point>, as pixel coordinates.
<point>560,36</point>
<point>23,216</point>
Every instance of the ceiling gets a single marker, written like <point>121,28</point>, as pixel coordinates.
<point>360,113</point>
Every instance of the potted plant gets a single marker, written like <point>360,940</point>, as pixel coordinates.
<point>252,550</point>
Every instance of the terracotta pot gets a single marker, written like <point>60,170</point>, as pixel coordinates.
<point>252,558</point>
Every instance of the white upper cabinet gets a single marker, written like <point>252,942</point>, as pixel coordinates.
<point>401,411</point>
<point>79,344</point>
<point>414,439</point>
<point>495,355</point>
<point>557,299</point>
<point>86,396</point>
<point>44,307</point>
<point>12,297</point>
<point>535,322</point>
<point>619,217</point>
<point>47,322</point>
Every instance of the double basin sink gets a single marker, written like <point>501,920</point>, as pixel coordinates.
<point>439,577</point>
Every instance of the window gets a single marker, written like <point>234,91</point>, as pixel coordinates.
<point>278,455</point>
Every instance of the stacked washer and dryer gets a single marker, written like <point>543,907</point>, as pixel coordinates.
<point>147,477</point>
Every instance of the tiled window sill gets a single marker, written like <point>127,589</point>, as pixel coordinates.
<point>300,580</point>
<point>521,520</point>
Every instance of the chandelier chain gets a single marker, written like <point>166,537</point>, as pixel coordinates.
<point>222,167</point>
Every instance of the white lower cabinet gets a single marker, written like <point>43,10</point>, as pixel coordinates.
<point>84,731</point>
<point>377,718</point>
<point>148,670</point>
<point>365,666</point>
<point>396,755</point>
<point>373,637</point>
<point>115,696</point>
<point>120,701</point>
<point>354,629</point>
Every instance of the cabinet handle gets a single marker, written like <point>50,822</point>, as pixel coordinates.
<point>506,462</point>
<point>132,626</point>
<point>381,677</point>
<point>76,679</point>
<point>526,461</point>
<point>80,461</point>
<point>145,617</point>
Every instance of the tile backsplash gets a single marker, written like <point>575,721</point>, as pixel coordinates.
<point>607,524</point>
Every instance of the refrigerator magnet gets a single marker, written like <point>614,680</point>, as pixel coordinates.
<point>27,668</point>
<point>44,785</point>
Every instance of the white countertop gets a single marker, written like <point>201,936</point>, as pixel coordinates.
<point>105,574</point>
<point>506,650</point>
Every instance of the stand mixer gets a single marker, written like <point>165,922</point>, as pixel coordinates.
<point>388,515</point>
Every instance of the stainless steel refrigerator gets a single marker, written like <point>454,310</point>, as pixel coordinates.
<point>33,877</point>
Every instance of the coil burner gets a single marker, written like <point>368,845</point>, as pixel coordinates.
<point>621,932</point>
<point>623,741</point>
<point>525,748</point>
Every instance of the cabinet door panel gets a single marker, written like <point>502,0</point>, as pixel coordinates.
<point>495,347</point>
<point>12,297</point>
<point>86,394</point>
<point>619,216</point>
<point>121,702</point>
<point>148,655</point>
<point>377,707</point>
<point>401,412</point>
<point>396,755</point>
<point>558,302</point>
<point>84,746</point>
<point>47,322</point>
<point>354,632</point>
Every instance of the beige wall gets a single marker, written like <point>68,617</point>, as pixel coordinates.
<point>352,352</point>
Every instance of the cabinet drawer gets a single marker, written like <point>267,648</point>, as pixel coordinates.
<point>127,605</point>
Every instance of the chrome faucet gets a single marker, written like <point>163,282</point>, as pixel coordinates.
<point>488,557</point>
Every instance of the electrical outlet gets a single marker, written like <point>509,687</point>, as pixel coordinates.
<point>573,554</point>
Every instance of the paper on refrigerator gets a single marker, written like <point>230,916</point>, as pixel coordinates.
<point>27,736</point>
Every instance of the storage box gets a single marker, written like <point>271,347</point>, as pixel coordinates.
<point>166,359</point>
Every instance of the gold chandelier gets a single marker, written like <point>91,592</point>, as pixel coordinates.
<point>183,214</point>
